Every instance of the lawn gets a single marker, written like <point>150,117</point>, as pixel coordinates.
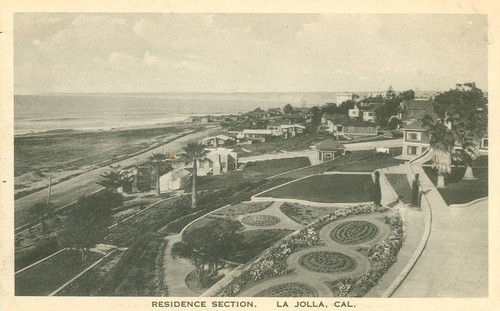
<point>305,214</point>
<point>369,164</point>
<point>49,275</point>
<point>401,185</point>
<point>256,241</point>
<point>328,188</point>
<point>460,191</point>
<point>253,171</point>
<point>243,208</point>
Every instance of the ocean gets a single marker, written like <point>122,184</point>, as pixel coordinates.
<point>42,113</point>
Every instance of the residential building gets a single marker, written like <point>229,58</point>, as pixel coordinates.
<point>416,140</point>
<point>354,113</point>
<point>329,149</point>
<point>260,135</point>
<point>414,110</point>
<point>292,130</point>
<point>328,122</point>
<point>355,127</point>
<point>217,161</point>
<point>218,141</point>
<point>369,115</point>
<point>175,180</point>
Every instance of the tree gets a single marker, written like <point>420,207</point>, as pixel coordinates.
<point>407,95</point>
<point>88,221</point>
<point>330,108</point>
<point>288,109</point>
<point>207,246</point>
<point>161,165</point>
<point>345,106</point>
<point>390,94</point>
<point>377,192</point>
<point>114,180</point>
<point>193,152</point>
<point>316,116</point>
<point>41,212</point>
<point>441,144</point>
<point>465,110</point>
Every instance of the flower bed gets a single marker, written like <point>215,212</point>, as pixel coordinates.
<point>273,262</point>
<point>381,256</point>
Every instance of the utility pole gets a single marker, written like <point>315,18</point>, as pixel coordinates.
<point>50,188</point>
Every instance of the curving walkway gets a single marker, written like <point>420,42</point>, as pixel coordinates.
<point>317,279</point>
<point>455,260</point>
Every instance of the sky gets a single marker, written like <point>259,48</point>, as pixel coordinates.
<point>71,52</point>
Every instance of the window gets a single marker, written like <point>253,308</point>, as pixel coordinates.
<point>412,136</point>
<point>412,150</point>
<point>484,143</point>
<point>210,164</point>
<point>202,165</point>
<point>327,155</point>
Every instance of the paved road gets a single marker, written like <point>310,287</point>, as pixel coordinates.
<point>455,261</point>
<point>70,190</point>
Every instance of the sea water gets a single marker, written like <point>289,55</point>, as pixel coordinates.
<point>41,113</point>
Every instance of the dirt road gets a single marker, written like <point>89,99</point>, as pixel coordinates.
<point>70,190</point>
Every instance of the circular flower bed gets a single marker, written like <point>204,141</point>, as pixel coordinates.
<point>354,232</point>
<point>289,290</point>
<point>260,220</point>
<point>327,262</point>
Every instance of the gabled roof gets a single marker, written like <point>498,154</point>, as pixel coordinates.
<point>329,144</point>
<point>417,126</point>
<point>293,125</point>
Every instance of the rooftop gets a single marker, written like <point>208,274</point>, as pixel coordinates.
<point>329,144</point>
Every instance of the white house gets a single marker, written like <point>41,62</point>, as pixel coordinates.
<point>368,116</point>
<point>354,113</point>
<point>292,130</point>
<point>174,180</point>
<point>217,161</point>
<point>217,141</point>
<point>258,134</point>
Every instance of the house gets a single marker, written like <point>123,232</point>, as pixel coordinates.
<point>277,126</point>
<point>260,135</point>
<point>369,115</point>
<point>174,180</point>
<point>414,110</point>
<point>328,122</point>
<point>355,127</point>
<point>292,130</point>
<point>218,141</point>
<point>416,140</point>
<point>217,161</point>
<point>354,113</point>
<point>329,149</point>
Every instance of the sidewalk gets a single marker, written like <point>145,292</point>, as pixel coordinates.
<point>455,260</point>
<point>176,271</point>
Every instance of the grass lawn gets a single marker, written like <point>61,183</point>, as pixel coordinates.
<point>49,275</point>
<point>305,214</point>
<point>369,164</point>
<point>460,191</point>
<point>243,208</point>
<point>256,241</point>
<point>253,171</point>
<point>401,185</point>
<point>337,188</point>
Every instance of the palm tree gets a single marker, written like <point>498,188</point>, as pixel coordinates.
<point>159,162</point>
<point>441,143</point>
<point>114,180</point>
<point>193,152</point>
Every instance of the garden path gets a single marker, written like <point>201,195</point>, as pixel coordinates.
<point>317,279</point>
<point>176,271</point>
<point>455,260</point>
